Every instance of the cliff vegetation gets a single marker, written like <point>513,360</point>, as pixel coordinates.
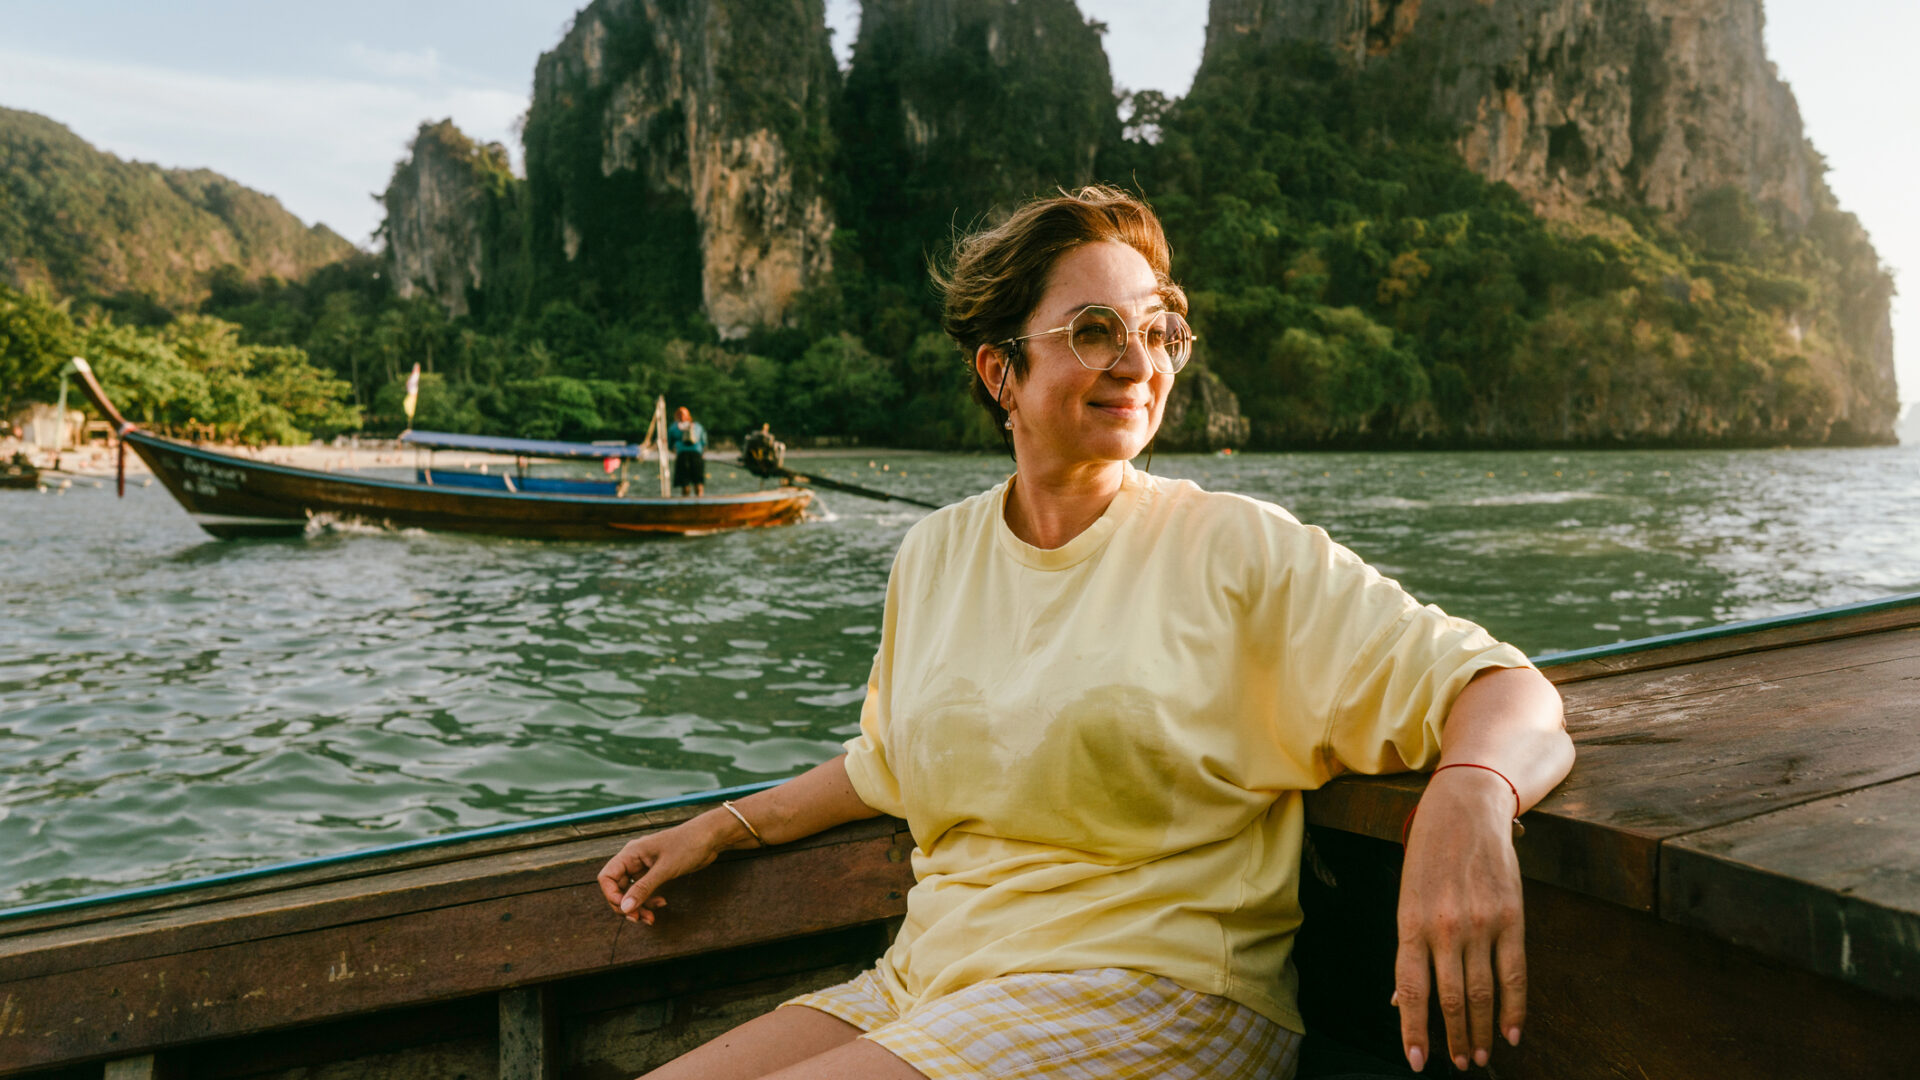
<point>1451,223</point>
<point>1438,223</point>
<point>136,237</point>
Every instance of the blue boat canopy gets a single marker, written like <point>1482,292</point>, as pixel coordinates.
<point>496,444</point>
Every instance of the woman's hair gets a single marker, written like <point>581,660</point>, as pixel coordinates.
<point>997,275</point>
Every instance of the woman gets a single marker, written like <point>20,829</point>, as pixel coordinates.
<point>1097,699</point>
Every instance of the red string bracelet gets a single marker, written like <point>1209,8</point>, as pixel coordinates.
<point>1519,830</point>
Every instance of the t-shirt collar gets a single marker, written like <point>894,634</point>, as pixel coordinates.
<point>1080,548</point>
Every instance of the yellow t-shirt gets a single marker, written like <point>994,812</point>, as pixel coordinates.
<point>1100,748</point>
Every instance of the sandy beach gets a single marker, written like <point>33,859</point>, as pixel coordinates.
<point>98,461</point>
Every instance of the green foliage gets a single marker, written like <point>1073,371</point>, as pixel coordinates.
<point>937,134</point>
<point>1352,281</point>
<point>1355,282</point>
<point>838,387</point>
<point>120,233</point>
<point>36,337</point>
<point>937,410</point>
<point>195,377</point>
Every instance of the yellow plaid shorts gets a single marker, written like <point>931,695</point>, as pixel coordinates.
<point>1101,1024</point>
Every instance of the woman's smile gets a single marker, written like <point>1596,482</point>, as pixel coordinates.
<point>1125,409</point>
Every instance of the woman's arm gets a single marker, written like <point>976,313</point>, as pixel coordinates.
<point>1460,922</point>
<point>817,799</point>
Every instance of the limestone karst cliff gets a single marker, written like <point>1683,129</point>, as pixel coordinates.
<point>677,153</point>
<point>1593,108</point>
<point>954,108</point>
<point>451,220</point>
<point>1652,102</point>
<point>1402,222</point>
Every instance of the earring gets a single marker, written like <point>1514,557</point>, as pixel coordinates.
<point>1009,423</point>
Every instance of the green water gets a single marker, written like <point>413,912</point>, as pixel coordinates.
<point>173,706</point>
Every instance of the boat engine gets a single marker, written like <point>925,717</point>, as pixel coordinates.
<point>763,455</point>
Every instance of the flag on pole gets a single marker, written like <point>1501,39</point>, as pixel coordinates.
<point>413,394</point>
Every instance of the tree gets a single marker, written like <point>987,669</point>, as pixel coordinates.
<point>36,338</point>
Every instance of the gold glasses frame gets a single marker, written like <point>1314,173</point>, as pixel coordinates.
<point>1131,332</point>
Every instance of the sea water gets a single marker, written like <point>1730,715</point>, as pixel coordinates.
<point>173,706</point>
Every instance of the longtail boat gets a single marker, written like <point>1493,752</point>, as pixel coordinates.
<point>232,496</point>
<point>1727,885</point>
<point>19,472</point>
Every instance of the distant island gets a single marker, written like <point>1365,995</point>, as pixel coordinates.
<point>1441,224</point>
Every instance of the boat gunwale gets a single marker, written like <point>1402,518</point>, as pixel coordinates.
<point>1726,630</point>
<point>784,492</point>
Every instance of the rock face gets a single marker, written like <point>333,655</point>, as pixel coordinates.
<point>1202,414</point>
<point>444,207</point>
<point>957,108</point>
<point>1666,104</point>
<point>1651,102</point>
<point>1038,101</point>
<point>656,123</point>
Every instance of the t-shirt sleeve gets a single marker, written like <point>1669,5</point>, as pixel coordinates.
<point>1375,668</point>
<point>867,766</point>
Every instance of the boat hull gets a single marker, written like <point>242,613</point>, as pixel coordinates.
<point>1721,888</point>
<point>232,497</point>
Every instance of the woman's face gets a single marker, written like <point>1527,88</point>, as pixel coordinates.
<point>1064,414</point>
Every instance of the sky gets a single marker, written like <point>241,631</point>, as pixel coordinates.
<point>315,103</point>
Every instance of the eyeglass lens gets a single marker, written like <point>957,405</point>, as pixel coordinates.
<point>1099,338</point>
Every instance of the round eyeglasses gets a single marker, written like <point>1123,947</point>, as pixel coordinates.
<point>1098,336</point>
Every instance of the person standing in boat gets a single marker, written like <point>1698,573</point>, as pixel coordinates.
<point>1098,698</point>
<point>688,441</point>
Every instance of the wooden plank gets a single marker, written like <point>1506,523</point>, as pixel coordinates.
<point>1832,886</point>
<point>439,954</point>
<point>1618,865</point>
<point>621,1043</point>
<point>629,1000</point>
<point>1760,640</point>
<point>1682,749</point>
<point>1672,767</point>
<point>395,1032</point>
<point>120,911</point>
<point>330,903</point>
<point>1745,669</point>
<point>529,1034</point>
<point>1621,995</point>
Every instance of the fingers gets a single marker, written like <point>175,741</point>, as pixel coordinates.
<point>630,879</point>
<point>614,879</point>
<point>1410,994</point>
<point>1510,956</point>
<point>1449,986</point>
<point>1480,999</point>
<point>642,910</point>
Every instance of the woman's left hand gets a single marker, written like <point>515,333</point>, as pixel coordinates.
<point>1462,935</point>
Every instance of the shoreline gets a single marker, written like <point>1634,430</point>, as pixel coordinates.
<point>97,462</point>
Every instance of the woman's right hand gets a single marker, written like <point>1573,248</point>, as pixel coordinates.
<point>817,799</point>
<point>631,879</point>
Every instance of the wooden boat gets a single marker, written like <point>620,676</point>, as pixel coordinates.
<point>1727,885</point>
<point>231,496</point>
<point>19,473</point>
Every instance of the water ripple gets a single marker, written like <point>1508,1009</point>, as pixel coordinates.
<point>172,706</point>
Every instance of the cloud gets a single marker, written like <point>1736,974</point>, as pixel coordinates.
<point>396,63</point>
<point>323,146</point>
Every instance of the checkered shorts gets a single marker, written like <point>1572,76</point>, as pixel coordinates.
<point>1102,1024</point>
